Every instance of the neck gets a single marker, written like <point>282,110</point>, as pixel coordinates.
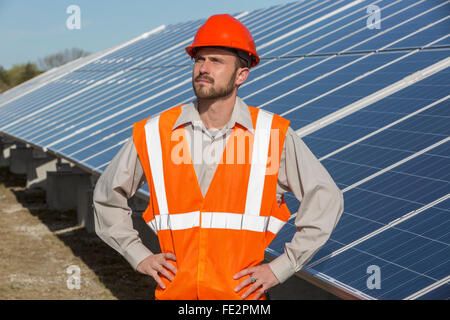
<point>216,113</point>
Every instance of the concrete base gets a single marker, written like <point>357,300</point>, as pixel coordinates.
<point>63,188</point>
<point>37,168</point>
<point>85,212</point>
<point>5,151</point>
<point>19,158</point>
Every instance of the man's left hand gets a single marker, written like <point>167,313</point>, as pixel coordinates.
<point>264,279</point>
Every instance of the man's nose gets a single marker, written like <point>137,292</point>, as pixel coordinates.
<point>204,67</point>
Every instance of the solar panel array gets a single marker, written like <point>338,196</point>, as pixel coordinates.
<point>371,103</point>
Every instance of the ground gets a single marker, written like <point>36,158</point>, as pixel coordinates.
<point>39,247</point>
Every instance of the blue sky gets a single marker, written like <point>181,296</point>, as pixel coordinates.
<point>33,29</point>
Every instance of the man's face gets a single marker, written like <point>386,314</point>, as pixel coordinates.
<point>214,74</point>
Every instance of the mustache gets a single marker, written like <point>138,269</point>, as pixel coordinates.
<point>204,77</point>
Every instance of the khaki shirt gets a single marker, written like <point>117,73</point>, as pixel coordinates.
<point>300,172</point>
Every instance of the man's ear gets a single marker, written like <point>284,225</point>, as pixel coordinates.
<point>242,75</point>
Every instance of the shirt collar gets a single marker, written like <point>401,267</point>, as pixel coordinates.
<point>240,115</point>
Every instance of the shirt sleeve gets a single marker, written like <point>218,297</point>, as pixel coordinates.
<point>112,215</point>
<point>321,205</point>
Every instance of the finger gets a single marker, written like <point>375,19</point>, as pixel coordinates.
<point>170,266</point>
<point>259,294</point>
<point>250,290</point>
<point>170,255</point>
<point>158,280</point>
<point>163,271</point>
<point>243,284</point>
<point>242,273</point>
<point>148,269</point>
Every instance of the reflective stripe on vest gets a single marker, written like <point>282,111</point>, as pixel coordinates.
<point>250,220</point>
<point>216,220</point>
<point>155,159</point>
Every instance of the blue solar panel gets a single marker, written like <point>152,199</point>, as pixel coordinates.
<point>380,114</point>
<point>390,155</point>
<point>405,271</point>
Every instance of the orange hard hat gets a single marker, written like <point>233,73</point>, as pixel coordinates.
<point>223,30</point>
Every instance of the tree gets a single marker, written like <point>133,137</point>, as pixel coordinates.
<point>20,73</point>
<point>4,80</point>
<point>60,58</point>
<point>30,70</point>
<point>23,72</point>
<point>17,74</point>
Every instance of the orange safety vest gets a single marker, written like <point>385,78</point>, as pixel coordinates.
<point>216,236</point>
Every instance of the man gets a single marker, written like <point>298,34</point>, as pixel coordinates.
<point>217,170</point>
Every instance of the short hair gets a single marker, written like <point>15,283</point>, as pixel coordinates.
<point>244,58</point>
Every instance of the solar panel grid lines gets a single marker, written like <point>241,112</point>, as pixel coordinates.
<point>41,79</point>
<point>93,85</point>
<point>34,123</point>
<point>384,128</point>
<point>443,282</point>
<point>352,291</point>
<point>385,220</point>
<point>362,28</point>
<point>343,85</point>
<point>413,263</point>
<point>400,280</point>
<point>285,23</point>
<point>378,231</point>
<point>71,67</point>
<point>396,25</point>
<point>409,15</point>
<point>368,164</point>
<point>312,81</point>
<point>120,89</point>
<point>444,109</point>
<point>389,168</point>
<point>121,48</point>
<point>265,16</point>
<point>269,61</point>
<point>320,36</point>
<point>117,113</point>
<point>376,242</point>
<point>311,23</point>
<point>145,48</point>
<point>419,30</point>
<point>106,127</point>
<point>358,22</point>
<point>374,97</point>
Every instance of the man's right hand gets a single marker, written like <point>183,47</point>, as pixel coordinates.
<point>157,263</point>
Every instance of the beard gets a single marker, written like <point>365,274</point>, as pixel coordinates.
<point>210,92</point>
